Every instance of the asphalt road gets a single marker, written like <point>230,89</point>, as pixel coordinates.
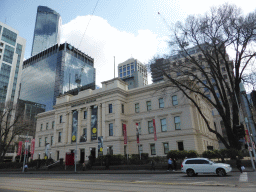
<point>235,181</point>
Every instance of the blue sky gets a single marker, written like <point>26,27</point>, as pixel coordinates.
<point>120,28</point>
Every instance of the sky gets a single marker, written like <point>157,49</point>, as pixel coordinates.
<point>118,28</point>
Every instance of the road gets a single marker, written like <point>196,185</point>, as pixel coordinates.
<point>127,182</point>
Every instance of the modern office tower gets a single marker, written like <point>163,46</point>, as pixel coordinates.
<point>133,72</point>
<point>47,29</point>
<point>12,48</point>
<point>55,71</point>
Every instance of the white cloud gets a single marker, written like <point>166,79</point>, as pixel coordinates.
<point>102,42</point>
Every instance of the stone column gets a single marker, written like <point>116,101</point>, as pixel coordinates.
<point>69,127</point>
<point>118,124</point>
<point>89,112</point>
<point>103,118</point>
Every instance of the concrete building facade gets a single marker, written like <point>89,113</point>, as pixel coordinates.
<point>12,49</point>
<point>178,124</point>
<point>133,72</point>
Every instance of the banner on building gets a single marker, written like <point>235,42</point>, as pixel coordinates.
<point>154,125</point>
<point>100,146</point>
<point>137,133</point>
<point>32,148</point>
<point>125,134</point>
<point>94,119</point>
<point>74,125</point>
<point>19,148</point>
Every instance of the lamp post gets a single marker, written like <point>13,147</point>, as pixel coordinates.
<point>39,155</point>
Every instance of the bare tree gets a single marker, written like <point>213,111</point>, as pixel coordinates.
<point>12,123</point>
<point>199,62</point>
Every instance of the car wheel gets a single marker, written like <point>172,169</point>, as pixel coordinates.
<point>221,172</point>
<point>190,172</point>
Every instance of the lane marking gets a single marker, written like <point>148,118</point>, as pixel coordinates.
<point>243,177</point>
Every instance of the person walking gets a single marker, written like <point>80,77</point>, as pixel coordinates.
<point>174,164</point>
<point>170,164</point>
<point>239,164</point>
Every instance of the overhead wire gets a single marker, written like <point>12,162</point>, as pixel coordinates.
<point>88,23</point>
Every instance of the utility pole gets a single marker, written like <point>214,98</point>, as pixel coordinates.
<point>25,153</point>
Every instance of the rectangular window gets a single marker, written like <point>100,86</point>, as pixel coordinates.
<point>161,103</point>
<point>223,69</point>
<point>137,108</point>
<point>148,105</point>
<point>163,125</point>
<point>128,68</point>
<point>47,124</point>
<point>120,70</point>
<point>51,140</point>
<point>166,148</point>
<point>153,149</point>
<point>110,150</point>
<point>85,114</point>
<point>122,108</point>
<point>180,146</point>
<point>132,66</point>
<point>177,122</point>
<point>150,127</point>
<point>61,119</point>
<point>121,75</point>
<point>41,128</point>
<point>128,73</point>
<point>45,141</point>
<point>124,74</point>
<point>174,100</point>
<point>9,36</point>
<point>53,124</point>
<point>40,142</point>
<point>58,155</point>
<point>84,136</point>
<point>59,137</point>
<point>110,108</point>
<point>110,129</point>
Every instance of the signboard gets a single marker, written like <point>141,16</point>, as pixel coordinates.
<point>19,148</point>
<point>137,133</point>
<point>100,146</point>
<point>94,119</point>
<point>74,125</point>
<point>154,125</point>
<point>125,134</point>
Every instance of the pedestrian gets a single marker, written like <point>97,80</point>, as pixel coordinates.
<point>239,164</point>
<point>170,164</point>
<point>174,164</point>
<point>153,165</point>
<point>26,167</point>
<point>84,166</point>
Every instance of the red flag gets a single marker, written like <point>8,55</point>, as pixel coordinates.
<point>154,125</point>
<point>137,133</point>
<point>32,148</point>
<point>19,148</point>
<point>125,134</point>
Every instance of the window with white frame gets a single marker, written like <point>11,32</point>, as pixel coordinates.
<point>153,149</point>
<point>174,100</point>
<point>148,105</point>
<point>59,137</point>
<point>51,140</point>
<point>177,122</point>
<point>150,127</point>
<point>161,103</point>
<point>166,147</point>
<point>53,124</point>
<point>40,142</point>
<point>163,125</point>
<point>85,114</point>
<point>137,108</point>
<point>60,118</point>
<point>180,145</point>
<point>45,141</point>
<point>110,129</point>
<point>47,124</point>
<point>41,128</point>
<point>110,109</point>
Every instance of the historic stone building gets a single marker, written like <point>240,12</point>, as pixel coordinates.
<point>103,112</point>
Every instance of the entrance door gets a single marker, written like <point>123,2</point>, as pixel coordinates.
<point>82,153</point>
<point>93,152</point>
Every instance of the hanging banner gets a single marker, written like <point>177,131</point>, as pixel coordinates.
<point>74,126</point>
<point>137,133</point>
<point>154,125</point>
<point>32,148</point>
<point>19,148</point>
<point>94,119</point>
<point>100,146</point>
<point>125,134</point>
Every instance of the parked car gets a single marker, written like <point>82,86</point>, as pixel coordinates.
<point>193,166</point>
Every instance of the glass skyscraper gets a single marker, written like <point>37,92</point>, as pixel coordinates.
<point>53,72</point>
<point>47,29</point>
<point>12,48</point>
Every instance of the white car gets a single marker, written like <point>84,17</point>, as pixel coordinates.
<point>193,166</point>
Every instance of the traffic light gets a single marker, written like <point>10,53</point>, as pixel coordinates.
<point>239,130</point>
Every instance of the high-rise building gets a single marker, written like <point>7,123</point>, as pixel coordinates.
<point>133,72</point>
<point>47,29</point>
<point>12,48</point>
<point>57,70</point>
